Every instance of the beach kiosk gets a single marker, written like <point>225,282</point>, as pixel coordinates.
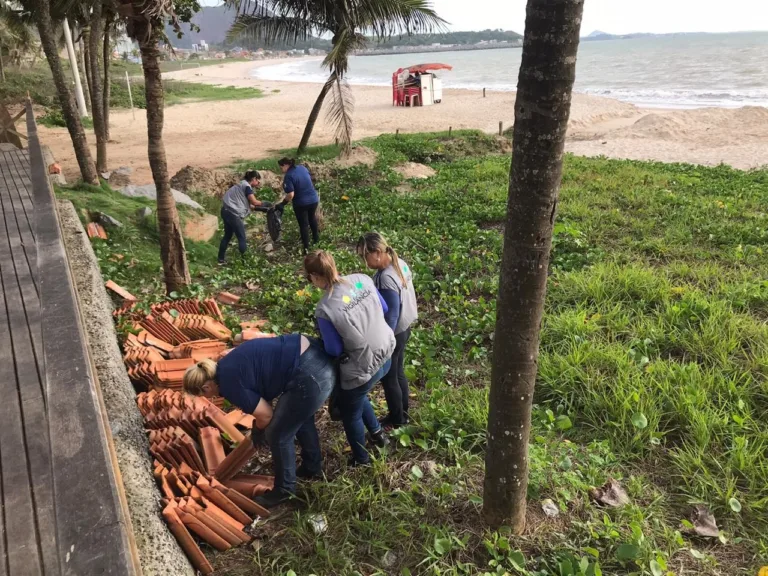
<point>418,85</point>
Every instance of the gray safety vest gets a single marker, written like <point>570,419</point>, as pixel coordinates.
<point>388,279</point>
<point>236,200</point>
<point>354,309</point>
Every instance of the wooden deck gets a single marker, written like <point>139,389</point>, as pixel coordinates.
<point>61,508</point>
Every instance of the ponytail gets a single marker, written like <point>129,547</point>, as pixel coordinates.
<point>375,242</point>
<point>321,263</point>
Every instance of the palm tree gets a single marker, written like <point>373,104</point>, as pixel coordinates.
<point>41,14</point>
<point>144,23</point>
<point>542,108</point>
<point>347,21</point>
<point>95,41</point>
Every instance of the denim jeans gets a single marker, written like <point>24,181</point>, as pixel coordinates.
<point>233,225</point>
<point>395,383</point>
<point>305,216</point>
<point>357,414</point>
<point>294,417</point>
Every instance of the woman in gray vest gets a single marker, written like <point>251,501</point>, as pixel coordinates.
<point>394,280</point>
<point>350,318</point>
<point>236,204</point>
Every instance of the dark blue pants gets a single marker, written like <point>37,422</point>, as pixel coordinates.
<point>357,414</point>
<point>294,417</point>
<point>395,383</point>
<point>233,225</point>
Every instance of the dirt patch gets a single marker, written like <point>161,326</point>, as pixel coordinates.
<point>404,189</point>
<point>212,182</point>
<point>414,170</point>
<point>159,553</point>
<point>360,155</point>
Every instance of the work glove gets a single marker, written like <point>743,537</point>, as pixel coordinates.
<point>266,205</point>
<point>258,438</point>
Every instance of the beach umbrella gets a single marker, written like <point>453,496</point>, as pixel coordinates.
<point>422,68</point>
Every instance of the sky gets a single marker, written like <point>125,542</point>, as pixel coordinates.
<point>612,16</point>
<point>618,16</point>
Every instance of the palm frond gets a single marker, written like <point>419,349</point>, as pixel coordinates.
<point>345,42</point>
<point>387,17</point>
<point>339,112</point>
<point>269,28</point>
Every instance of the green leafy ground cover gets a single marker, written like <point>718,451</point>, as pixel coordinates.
<point>653,370</point>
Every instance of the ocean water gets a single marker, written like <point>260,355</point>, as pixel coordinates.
<point>685,71</point>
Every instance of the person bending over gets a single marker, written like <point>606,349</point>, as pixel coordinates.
<point>236,204</point>
<point>299,191</point>
<point>394,280</point>
<point>350,317</point>
<point>298,371</point>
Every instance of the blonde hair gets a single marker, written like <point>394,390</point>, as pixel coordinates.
<point>375,242</point>
<point>197,375</point>
<point>321,263</point>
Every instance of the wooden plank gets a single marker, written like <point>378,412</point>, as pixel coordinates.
<point>79,441</point>
<point>17,180</point>
<point>23,556</point>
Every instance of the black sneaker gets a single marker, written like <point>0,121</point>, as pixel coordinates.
<point>222,262</point>
<point>306,474</point>
<point>388,424</point>
<point>272,498</point>
<point>379,439</point>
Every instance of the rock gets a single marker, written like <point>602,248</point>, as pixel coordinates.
<point>550,508</point>
<point>149,191</point>
<point>200,227</point>
<point>120,177</point>
<point>319,523</point>
<point>268,247</point>
<point>271,180</point>
<point>144,213</point>
<point>105,220</point>
<point>611,494</point>
<point>414,170</point>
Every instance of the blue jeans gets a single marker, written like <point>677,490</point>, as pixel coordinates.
<point>233,225</point>
<point>294,417</point>
<point>357,414</point>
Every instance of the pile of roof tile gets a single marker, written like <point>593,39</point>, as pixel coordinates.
<point>203,492</point>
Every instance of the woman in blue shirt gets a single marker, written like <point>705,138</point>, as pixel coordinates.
<point>299,190</point>
<point>293,368</point>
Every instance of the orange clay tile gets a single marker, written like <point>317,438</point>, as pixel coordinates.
<point>185,540</point>
<point>242,501</point>
<point>236,460</point>
<point>213,448</point>
<point>208,535</point>
<point>120,291</point>
<point>228,298</point>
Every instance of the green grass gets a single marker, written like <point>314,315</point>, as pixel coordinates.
<point>654,366</point>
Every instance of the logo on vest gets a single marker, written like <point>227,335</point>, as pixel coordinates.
<point>356,295</point>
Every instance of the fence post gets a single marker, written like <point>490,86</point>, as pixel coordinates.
<point>450,129</point>
<point>501,128</point>
<point>130,96</point>
<point>483,92</point>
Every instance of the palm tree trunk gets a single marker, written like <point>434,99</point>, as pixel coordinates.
<point>97,103</point>
<point>42,15</point>
<point>107,87</point>
<point>86,68</point>
<point>542,108</point>
<point>314,114</point>
<point>172,250</point>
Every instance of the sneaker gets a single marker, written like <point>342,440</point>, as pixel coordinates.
<point>222,262</point>
<point>272,498</point>
<point>379,439</point>
<point>388,424</point>
<point>306,474</point>
<point>353,463</point>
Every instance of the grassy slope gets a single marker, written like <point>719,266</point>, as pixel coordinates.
<point>654,365</point>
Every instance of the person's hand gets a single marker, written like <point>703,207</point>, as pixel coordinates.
<point>266,205</point>
<point>258,438</point>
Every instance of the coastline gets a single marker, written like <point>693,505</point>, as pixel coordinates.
<point>212,134</point>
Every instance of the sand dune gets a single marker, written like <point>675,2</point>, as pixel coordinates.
<point>216,133</point>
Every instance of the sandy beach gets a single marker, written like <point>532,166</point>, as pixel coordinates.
<point>212,134</point>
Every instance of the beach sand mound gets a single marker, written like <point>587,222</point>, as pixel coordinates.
<point>413,170</point>
<point>707,126</point>
<point>212,182</point>
<point>359,155</point>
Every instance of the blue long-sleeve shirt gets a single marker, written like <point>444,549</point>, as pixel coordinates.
<point>332,342</point>
<point>391,316</point>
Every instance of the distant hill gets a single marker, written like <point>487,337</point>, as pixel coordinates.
<point>215,21</point>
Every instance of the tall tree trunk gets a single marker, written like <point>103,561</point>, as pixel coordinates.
<point>97,103</point>
<point>172,250</point>
<point>85,66</point>
<point>42,15</point>
<point>2,66</point>
<point>314,114</point>
<point>542,108</point>
<point>107,85</point>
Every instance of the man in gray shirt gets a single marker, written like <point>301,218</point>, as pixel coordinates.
<point>237,203</point>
